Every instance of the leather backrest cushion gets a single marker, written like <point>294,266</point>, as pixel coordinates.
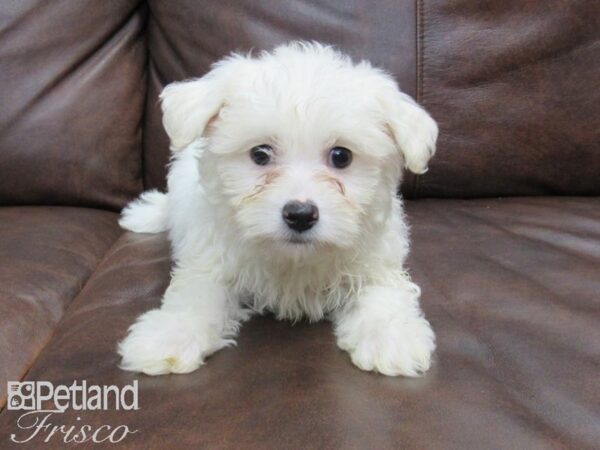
<point>515,88</point>
<point>72,89</point>
<point>186,36</point>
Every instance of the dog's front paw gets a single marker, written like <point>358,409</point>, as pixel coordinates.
<point>162,342</point>
<point>389,346</point>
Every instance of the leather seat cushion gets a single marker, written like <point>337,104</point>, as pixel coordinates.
<point>46,256</point>
<point>510,286</point>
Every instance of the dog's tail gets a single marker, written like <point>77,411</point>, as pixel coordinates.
<point>147,214</point>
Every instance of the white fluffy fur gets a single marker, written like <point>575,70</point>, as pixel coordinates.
<point>147,214</point>
<point>232,249</point>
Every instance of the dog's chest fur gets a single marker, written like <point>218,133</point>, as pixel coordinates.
<point>292,290</point>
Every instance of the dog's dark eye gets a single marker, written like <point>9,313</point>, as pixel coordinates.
<point>261,154</point>
<point>340,157</point>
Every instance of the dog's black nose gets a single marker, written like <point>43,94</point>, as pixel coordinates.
<point>300,216</point>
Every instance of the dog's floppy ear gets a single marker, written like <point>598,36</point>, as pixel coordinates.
<point>413,129</point>
<point>188,106</point>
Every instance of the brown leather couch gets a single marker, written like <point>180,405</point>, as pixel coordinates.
<point>505,225</point>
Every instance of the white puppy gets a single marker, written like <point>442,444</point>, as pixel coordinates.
<point>282,196</point>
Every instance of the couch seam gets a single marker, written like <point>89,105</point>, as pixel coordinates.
<point>148,12</point>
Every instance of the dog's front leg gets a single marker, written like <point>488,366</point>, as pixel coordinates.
<point>197,318</point>
<point>383,330</point>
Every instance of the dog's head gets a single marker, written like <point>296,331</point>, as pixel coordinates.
<point>304,147</point>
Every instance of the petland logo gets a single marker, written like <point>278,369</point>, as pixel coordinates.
<point>42,400</point>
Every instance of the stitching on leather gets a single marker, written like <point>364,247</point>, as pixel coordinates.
<point>420,54</point>
<point>419,43</point>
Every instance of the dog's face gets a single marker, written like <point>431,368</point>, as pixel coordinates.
<point>305,148</point>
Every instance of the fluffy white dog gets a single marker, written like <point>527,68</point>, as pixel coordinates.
<point>282,196</point>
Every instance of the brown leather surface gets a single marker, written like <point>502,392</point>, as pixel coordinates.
<point>72,88</point>
<point>514,88</point>
<point>510,285</point>
<point>46,256</point>
<point>185,39</point>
